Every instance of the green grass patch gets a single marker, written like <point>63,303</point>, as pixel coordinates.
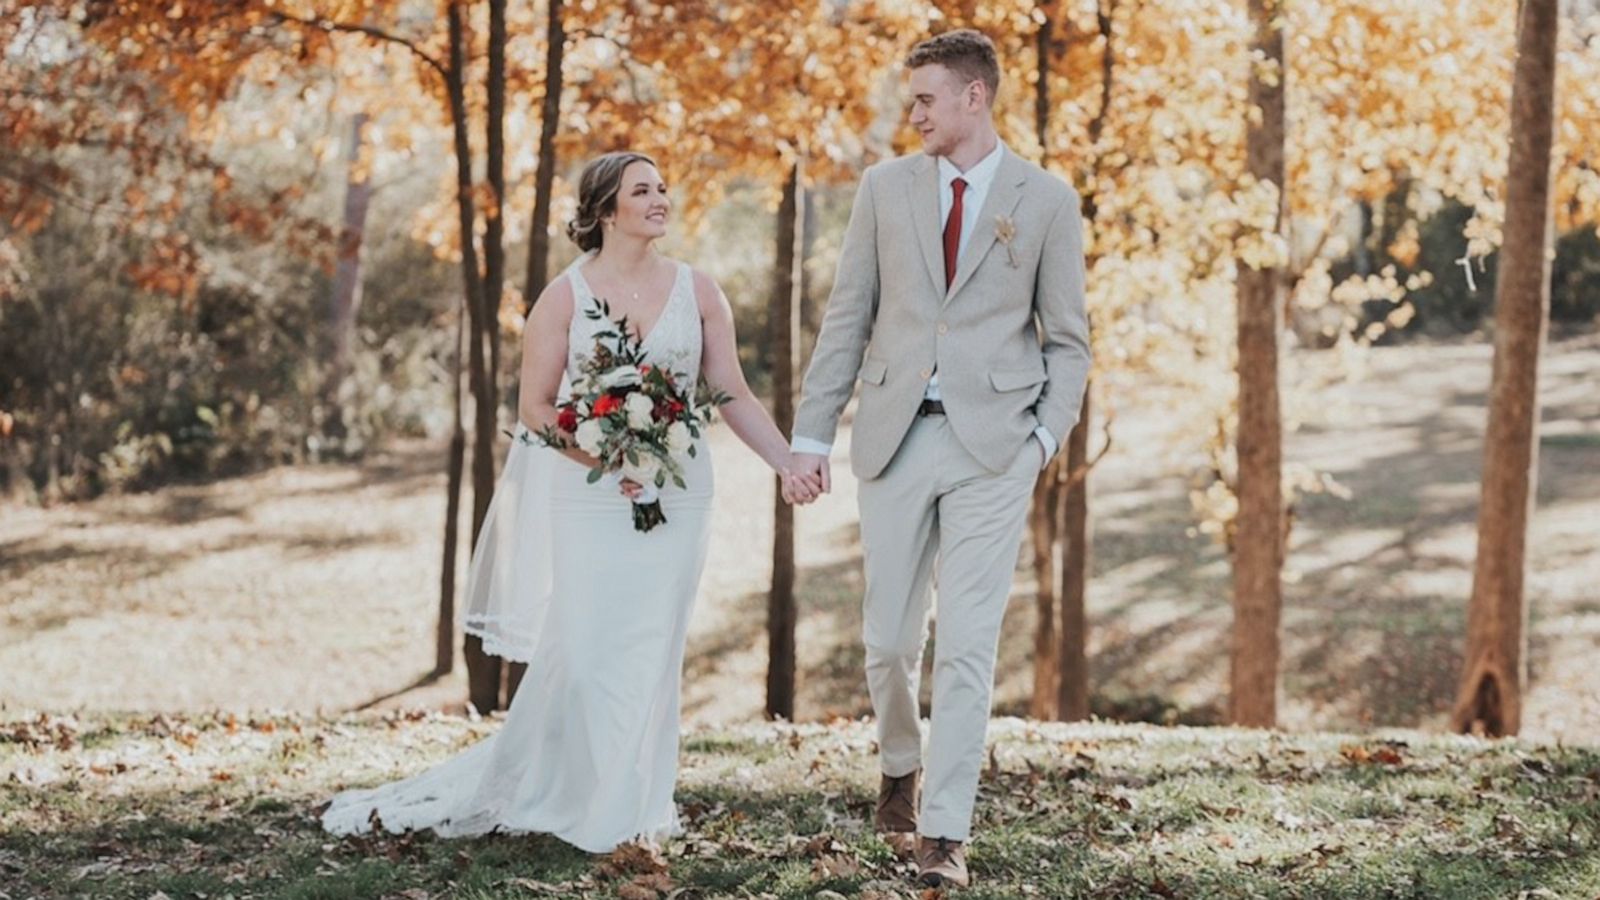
<point>205,808</point>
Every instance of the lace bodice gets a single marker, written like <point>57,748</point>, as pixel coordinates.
<point>673,343</point>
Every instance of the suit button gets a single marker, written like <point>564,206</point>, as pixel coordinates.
<point>943,328</point>
<point>926,374</point>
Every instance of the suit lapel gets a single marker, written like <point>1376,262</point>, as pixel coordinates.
<point>925,217</point>
<point>1002,200</point>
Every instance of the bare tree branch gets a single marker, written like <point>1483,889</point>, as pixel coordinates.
<point>371,31</point>
<point>1080,473</point>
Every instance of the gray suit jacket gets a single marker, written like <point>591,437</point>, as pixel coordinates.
<point>1009,339</point>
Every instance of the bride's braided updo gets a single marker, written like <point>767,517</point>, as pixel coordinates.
<point>597,196</point>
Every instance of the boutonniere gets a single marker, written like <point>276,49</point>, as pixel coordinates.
<point>1005,231</point>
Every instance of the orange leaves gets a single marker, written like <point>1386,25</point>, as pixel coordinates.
<point>171,267</point>
<point>485,199</point>
<point>743,88</point>
<point>643,866</point>
<point>1385,754</point>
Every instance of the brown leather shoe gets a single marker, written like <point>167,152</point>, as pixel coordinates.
<point>941,862</point>
<point>896,818</point>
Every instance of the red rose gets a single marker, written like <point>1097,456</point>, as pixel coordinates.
<point>606,405</point>
<point>567,419</point>
<point>675,408</point>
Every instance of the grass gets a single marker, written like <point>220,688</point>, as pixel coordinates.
<point>215,806</point>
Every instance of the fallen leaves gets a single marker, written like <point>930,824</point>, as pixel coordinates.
<point>44,730</point>
<point>1385,754</point>
<point>1131,812</point>
<point>644,867</point>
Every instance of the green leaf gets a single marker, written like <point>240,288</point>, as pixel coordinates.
<point>595,475</point>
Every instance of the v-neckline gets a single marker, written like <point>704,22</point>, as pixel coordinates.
<point>666,305</point>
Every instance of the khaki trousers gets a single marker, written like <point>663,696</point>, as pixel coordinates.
<point>936,515</point>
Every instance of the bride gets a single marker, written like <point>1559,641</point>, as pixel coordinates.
<point>561,580</point>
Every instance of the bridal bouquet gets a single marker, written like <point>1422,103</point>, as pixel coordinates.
<point>632,417</point>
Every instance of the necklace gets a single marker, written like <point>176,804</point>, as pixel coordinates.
<point>623,287</point>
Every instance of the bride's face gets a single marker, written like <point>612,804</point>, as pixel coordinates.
<point>642,204</point>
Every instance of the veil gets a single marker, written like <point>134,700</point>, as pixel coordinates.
<point>511,578</point>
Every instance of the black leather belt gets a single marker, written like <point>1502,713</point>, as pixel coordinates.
<point>930,408</point>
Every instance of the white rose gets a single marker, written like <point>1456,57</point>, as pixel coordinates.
<point>640,410</point>
<point>644,471</point>
<point>678,438</point>
<point>589,436</point>
<point>621,376</point>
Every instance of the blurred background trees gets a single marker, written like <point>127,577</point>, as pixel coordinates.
<point>242,234</point>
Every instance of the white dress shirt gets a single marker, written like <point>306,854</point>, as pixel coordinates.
<point>978,178</point>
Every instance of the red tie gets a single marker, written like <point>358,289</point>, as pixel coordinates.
<point>952,233</point>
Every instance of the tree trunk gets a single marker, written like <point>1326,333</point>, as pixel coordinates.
<point>809,312</point>
<point>494,271</point>
<point>1258,550</point>
<point>483,671</point>
<point>48,423</point>
<point>1072,663</point>
<point>1044,526</point>
<point>1044,518</point>
<point>13,474</point>
<point>344,299</point>
<point>494,231</point>
<point>783,313</point>
<point>1072,658</point>
<point>544,177</point>
<point>444,646</point>
<point>1490,697</point>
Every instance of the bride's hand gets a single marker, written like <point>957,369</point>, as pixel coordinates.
<point>798,486</point>
<point>631,489</point>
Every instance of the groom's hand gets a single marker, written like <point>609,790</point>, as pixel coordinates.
<point>796,492</point>
<point>812,468</point>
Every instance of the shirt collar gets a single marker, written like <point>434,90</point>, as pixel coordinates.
<point>980,175</point>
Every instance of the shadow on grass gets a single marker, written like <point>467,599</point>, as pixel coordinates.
<point>1156,818</point>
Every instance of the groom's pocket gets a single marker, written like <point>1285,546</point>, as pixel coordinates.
<point>1016,379</point>
<point>873,371</point>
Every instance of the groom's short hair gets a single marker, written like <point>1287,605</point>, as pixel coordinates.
<point>969,54</point>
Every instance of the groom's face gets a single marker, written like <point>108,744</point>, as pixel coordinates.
<point>944,109</point>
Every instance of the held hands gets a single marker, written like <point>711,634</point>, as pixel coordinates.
<point>805,478</point>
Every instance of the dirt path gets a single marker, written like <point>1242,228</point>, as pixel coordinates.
<point>313,588</point>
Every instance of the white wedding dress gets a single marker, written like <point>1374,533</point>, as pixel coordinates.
<point>561,580</point>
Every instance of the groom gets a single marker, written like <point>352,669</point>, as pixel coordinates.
<point>959,304</point>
